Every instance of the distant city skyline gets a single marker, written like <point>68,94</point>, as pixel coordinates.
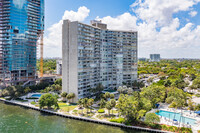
<point>172,30</point>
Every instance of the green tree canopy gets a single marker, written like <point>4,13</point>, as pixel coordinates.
<point>48,100</point>
<point>154,93</point>
<point>152,118</point>
<point>176,97</point>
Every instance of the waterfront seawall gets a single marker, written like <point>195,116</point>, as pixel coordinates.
<point>82,118</point>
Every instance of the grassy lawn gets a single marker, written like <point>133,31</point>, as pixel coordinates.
<point>62,105</point>
<point>33,103</point>
<point>111,111</point>
<point>66,108</point>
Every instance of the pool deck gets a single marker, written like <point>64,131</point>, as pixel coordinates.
<point>83,118</point>
<point>185,113</point>
<point>188,115</point>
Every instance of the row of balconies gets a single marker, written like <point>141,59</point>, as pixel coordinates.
<point>4,21</point>
<point>33,16</point>
<point>34,3</point>
<point>34,21</point>
<point>33,13</point>
<point>5,1</point>
<point>35,10</point>
<point>5,7</point>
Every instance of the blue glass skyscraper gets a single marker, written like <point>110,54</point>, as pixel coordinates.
<point>21,25</point>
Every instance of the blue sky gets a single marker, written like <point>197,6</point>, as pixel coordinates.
<point>168,27</point>
<point>54,9</point>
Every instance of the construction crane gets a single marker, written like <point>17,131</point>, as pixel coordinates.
<point>41,54</point>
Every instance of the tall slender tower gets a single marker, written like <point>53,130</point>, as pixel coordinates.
<point>21,25</point>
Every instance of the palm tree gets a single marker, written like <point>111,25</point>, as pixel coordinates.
<point>124,89</point>
<point>130,91</point>
<point>102,103</point>
<point>90,103</point>
<point>108,107</point>
<point>57,87</point>
<point>107,95</point>
<point>63,95</point>
<point>70,96</point>
<point>113,103</point>
<point>85,103</point>
<point>120,89</point>
<point>80,103</point>
<point>112,96</point>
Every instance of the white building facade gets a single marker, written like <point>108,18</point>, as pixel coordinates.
<point>92,54</point>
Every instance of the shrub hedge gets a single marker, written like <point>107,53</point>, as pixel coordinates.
<point>33,103</point>
<point>101,111</point>
<point>176,129</point>
<point>118,120</point>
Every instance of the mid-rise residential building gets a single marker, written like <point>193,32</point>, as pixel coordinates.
<point>93,54</point>
<point>59,67</point>
<point>21,25</point>
<point>154,57</point>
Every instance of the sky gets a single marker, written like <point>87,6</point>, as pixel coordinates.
<point>167,27</point>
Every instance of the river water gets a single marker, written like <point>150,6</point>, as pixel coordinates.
<point>15,119</point>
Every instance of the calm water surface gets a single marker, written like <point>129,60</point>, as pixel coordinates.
<point>14,119</point>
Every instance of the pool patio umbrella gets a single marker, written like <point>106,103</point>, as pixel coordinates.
<point>197,112</point>
<point>175,121</point>
<point>157,105</point>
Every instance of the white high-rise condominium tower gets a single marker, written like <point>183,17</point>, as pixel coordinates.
<point>92,54</point>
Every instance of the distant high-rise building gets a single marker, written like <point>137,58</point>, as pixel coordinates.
<point>59,67</point>
<point>154,57</point>
<point>142,59</point>
<point>94,55</point>
<point>21,25</point>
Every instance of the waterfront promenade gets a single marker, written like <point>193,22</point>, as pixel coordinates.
<point>82,118</point>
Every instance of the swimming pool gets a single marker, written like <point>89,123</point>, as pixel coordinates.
<point>36,95</point>
<point>177,116</point>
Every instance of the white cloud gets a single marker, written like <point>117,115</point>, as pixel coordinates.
<point>158,31</point>
<point>161,11</point>
<point>53,41</point>
<point>193,13</point>
<point>125,21</point>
